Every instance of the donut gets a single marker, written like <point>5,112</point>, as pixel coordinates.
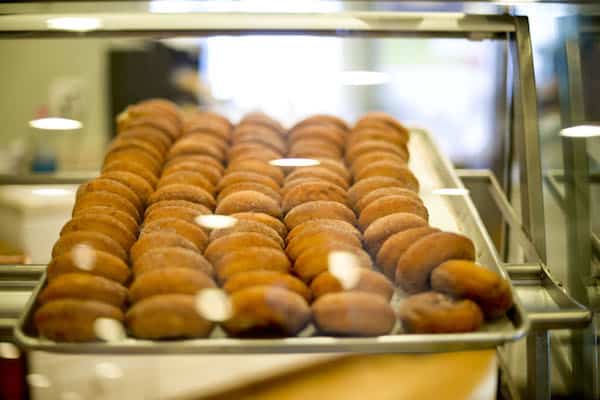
<point>209,171</point>
<point>384,192</point>
<point>201,209</point>
<point>379,119</point>
<point>367,281</point>
<point>156,240</point>
<point>314,148</point>
<point>206,137</point>
<point>248,201</point>
<point>160,140</point>
<point>160,122</point>
<point>259,167</point>
<point>136,183</point>
<point>184,213</point>
<point>465,279</point>
<point>301,243</point>
<point>396,244</point>
<point>391,169</point>
<point>157,105</point>
<point>177,191</point>
<point>215,124</point>
<point>386,135</point>
<point>121,144</point>
<point>241,176</point>
<point>95,262</point>
<point>218,248</point>
<point>133,168</point>
<point>187,178</point>
<point>323,225</point>
<point>266,311</point>
<point>314,261</point>
<point>320,173</point>
<point>111,186</point>
<point>353,314</point>
<point>313,191</point>
<point>336,166</point>
<point>265,219</point>
<point>150,109</point>
<point>260,126</point>
<point>391,205</point>
<point>127,220</point>
<point>316,210</point>
<point>252,186</point>
<point>367,185</point>
<point>172,280</point>
<point>248,226</point>
<point>84,287</point>
<point>356,150</point>
<point>416,264</point>
<point>107,199</point>
<point>240,150</point>
<point>289,185</point>
<point>262,119</point>
<point>95,240</point>
<point>384,227</point>
<point>267,278</point>
<point>106,224</point>
<point>254,258</point>
<point>369,158</point>
<point>259,134</point>
<point>322,119</point>
<point>188,230</point>
<point>196,159</point>
<point>167,316</point>
<point>72,320</point>
<point>432,312</point>
<point>135,155</point>
<point>193,146</point>
<point>329,133</point>
<point>172,257</point>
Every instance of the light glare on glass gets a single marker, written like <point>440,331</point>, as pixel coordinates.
<point>450,191</point>
<point>581,131</point>
<point>52,192</point>
<point>216,221</point>
<point>83,256</point>
<point>55,124</point>
<point>75,24</point>
<point>109,330</point>
<point>363,78</point>
<point>213,305</point>
<point>294,162</point>
<point>344,267</point>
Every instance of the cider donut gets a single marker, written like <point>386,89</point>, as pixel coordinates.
<point>139,185</point>
<point>379,119</point>
<point>353,314</point>
<point>382,228</point>
<point>314,261</point>
<point>322,119</point>
<point>391,205</point>
<point>121,144</point>
<point>255,258</point>
<point>160,140</point>
<point>196,159</point>
<point>299,244</point>
<point>318,209</point>
<point>320,173</point>
<point>137,156</point>
<point>465,279</point>
<point>248,201</point>
<point>240,176</point>
<point>384,192</point>
<point>373,156</point>
<point>106,224</point>
<point>396,244</point>
<point>261,155</point>
<point>206,137</point>
<point>172,257</point>
<point>329,133</point>
<point>127,220</point>
<point>356,150</point>
<point>160,122</point>
<point>178,191</point>
<point>266,311</point>
<point>336,166</point>
<point>156,240</point>
<point>94,262</point>
<point>71,320</point>
<point>258,167</point>
<point>366,280</point>
<point>111,186</point>
<point>84,287</point>
<point>289,185</point>
<point>95,240</point>
<point>167,316</point>
<point>157,105</point>
<point>219,248</point>
<point>174,280</point>
<point>263,218</point>
<point>267,278</point>
<point>386,135</point>
<point>314,148</point>
<point>188,230</point>
<point>259,134</point>
<point>432,312</point>
<point>322,225</point>
<point>248,226</point>
<point>209,171</point>
<point>252,186</point>
<point>422,257</point>
<point>262,119</point>
<point>133,168</point>
<point>238,151</point>
<point>365,186</point>
<point>106,199</point>
<point>313,191</point>
<point>257,125</point>
<point>391,169</point>
<point>192,146</point>
<point>219,128</point>
<point>184,213</point>
<point>201,209</point>
<point>190,178</point>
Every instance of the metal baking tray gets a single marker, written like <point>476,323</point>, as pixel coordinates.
<point>450,210</point>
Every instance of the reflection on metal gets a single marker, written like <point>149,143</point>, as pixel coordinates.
<point>47,179</point>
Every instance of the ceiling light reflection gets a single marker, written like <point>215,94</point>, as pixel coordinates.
<point>581,131</point>
<point>52,192</point>
<point>344,267</point>
<point>215,221</point>
<point>55,124</point>
<point>213,305</point>
<point>294,162</point>
<point>74,24</point>
<point>83,256</point>
<point>109,330</point>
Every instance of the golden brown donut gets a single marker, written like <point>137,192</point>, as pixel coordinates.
<point>95,240</point>
<point>240,176</point>
<point>395,245</point>
<point>335,165</point>
<point>356,150</point>
<point>125,219</point>
<point>266,311</point>
<point>248,226</point>
<point>201,209</point>
<point>209,171</point>
<point>391,205</point>
<point>217,125</point>
<point>259,167</point>
<point>267,278</point>
<point>254,258</point>
<point>177,191</point>
<point>260,155</point>
<point>384,192</point>
<point>432,312</point>
<point>263,119</point>
<point>156,240</point>
<point>257,124</point>
<point>416,264</point>
<point>71,320</point>
<point>465,279</point>
<point>373,156</point>
<point>136,156</point>
<point>311,148</point>
<point>367,281</point>
<point>139,185</point>
<point>188,230</point>
<point>158,105</point>
<point>160,122</point>
<point>107,199</point>
<point>387,135</point>
<point>98,263</point>
<point>329,133</point>
<point>379,119</point>
<point>263,218</point>
<point>320,173</point>
<point>196,159</point>
<point>384,227</point>
<point>106,224</point>
<point>160,140</point>
<point>132,167</point>
<point>313,191</point>
<point>205,137</point>
<point>218,248</point>
<point>353,314</point>
<point>121,144</point>
<point>167,316</point>
<point>184,213</point>
<point>252,186</point>
<point>323,225</point>
<point>322,119</point>
<point>170,257</point>
<point>84,287</point>
<point>366,186</point>
<point>314,261</point>
<point>301,243</point>
<point>259,134</point>
<point>187,178</point>
<point>248,201</point>
<point>238,151</point>
<point>319,209</point>
<point>168,281</point>
<point>111,186</point>
<point>186,146</point>
<point>287,186</point>
<point>391,169</point>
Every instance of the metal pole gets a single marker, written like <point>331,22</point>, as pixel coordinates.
<point>538,365</point>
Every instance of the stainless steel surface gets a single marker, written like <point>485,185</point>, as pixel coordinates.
<point>47,179</point>
<point>434,171</point>
<point>538,365</point>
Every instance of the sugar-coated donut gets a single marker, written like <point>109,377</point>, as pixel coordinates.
<point>132,167</point>
<point>240,150</point>
<point>253,258</point>
<point>84,287</point>
<point>262,119</point>
<point>391,169</point>
<point>205,122</point>
<point>267,278</point>
<point>259,167</point>
<point>184,213</point>
<point>187,229</point>
<point>369,158</point>
<point>322,119</point>
<point>323,225</point>
<point>193,146</point>
<point>263,218</point>
<point>259,134</point>
<point>465,279</point>
<point>242,176</point>
<point>329,133</point>
<point>314,261</point>
<point>170,257</point>
<point>248,201</point>
<point>139,185</point>
<point>112,186</point>
<point>252,186</point>
<point>107,199</point>
<point>335,165</point>
<point>384,192</point>
<point>313,191</point>
<point>121,144</point>
<point>169,281</point>
<point>155,137</point>
<point>314,148</point>
<point>167,316</point>
<point>384,227</point>
<point>433,312</point>
<point>93,240</point>
<point>177,191</point>
<point>289,185</point>
<point>247,226</point>
<point>106,224</point>
<point>72,320</point>
<point>199,208</point>
<point>136,156</point>
<point>391,205</point>
<point>356,150</point>
<point>197,159</point>
<point>124,218</point>
<point>266,311</point>
<point>366,280</point>
<point>353,314</point>
<point>377,119</point>
<point>218,248</point>
<point>416,264</point>
<point>209,171</point>
<point>93,262</point>
<point>187,178</point>
<point>320,173</point>
<point>205,137</point>
<point>161,122</point>
<point>301,243</point>
<point>366,186</point>
<point>319,209</point>
<point>387,135</point>
<point>155,240</point>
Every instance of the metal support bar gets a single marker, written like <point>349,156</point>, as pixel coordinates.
<point>538,365</point>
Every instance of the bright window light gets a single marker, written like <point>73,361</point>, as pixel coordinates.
<point>363,78</point>
<point>55,124</point>
<point>75,24</point>
<point>581,131</point>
